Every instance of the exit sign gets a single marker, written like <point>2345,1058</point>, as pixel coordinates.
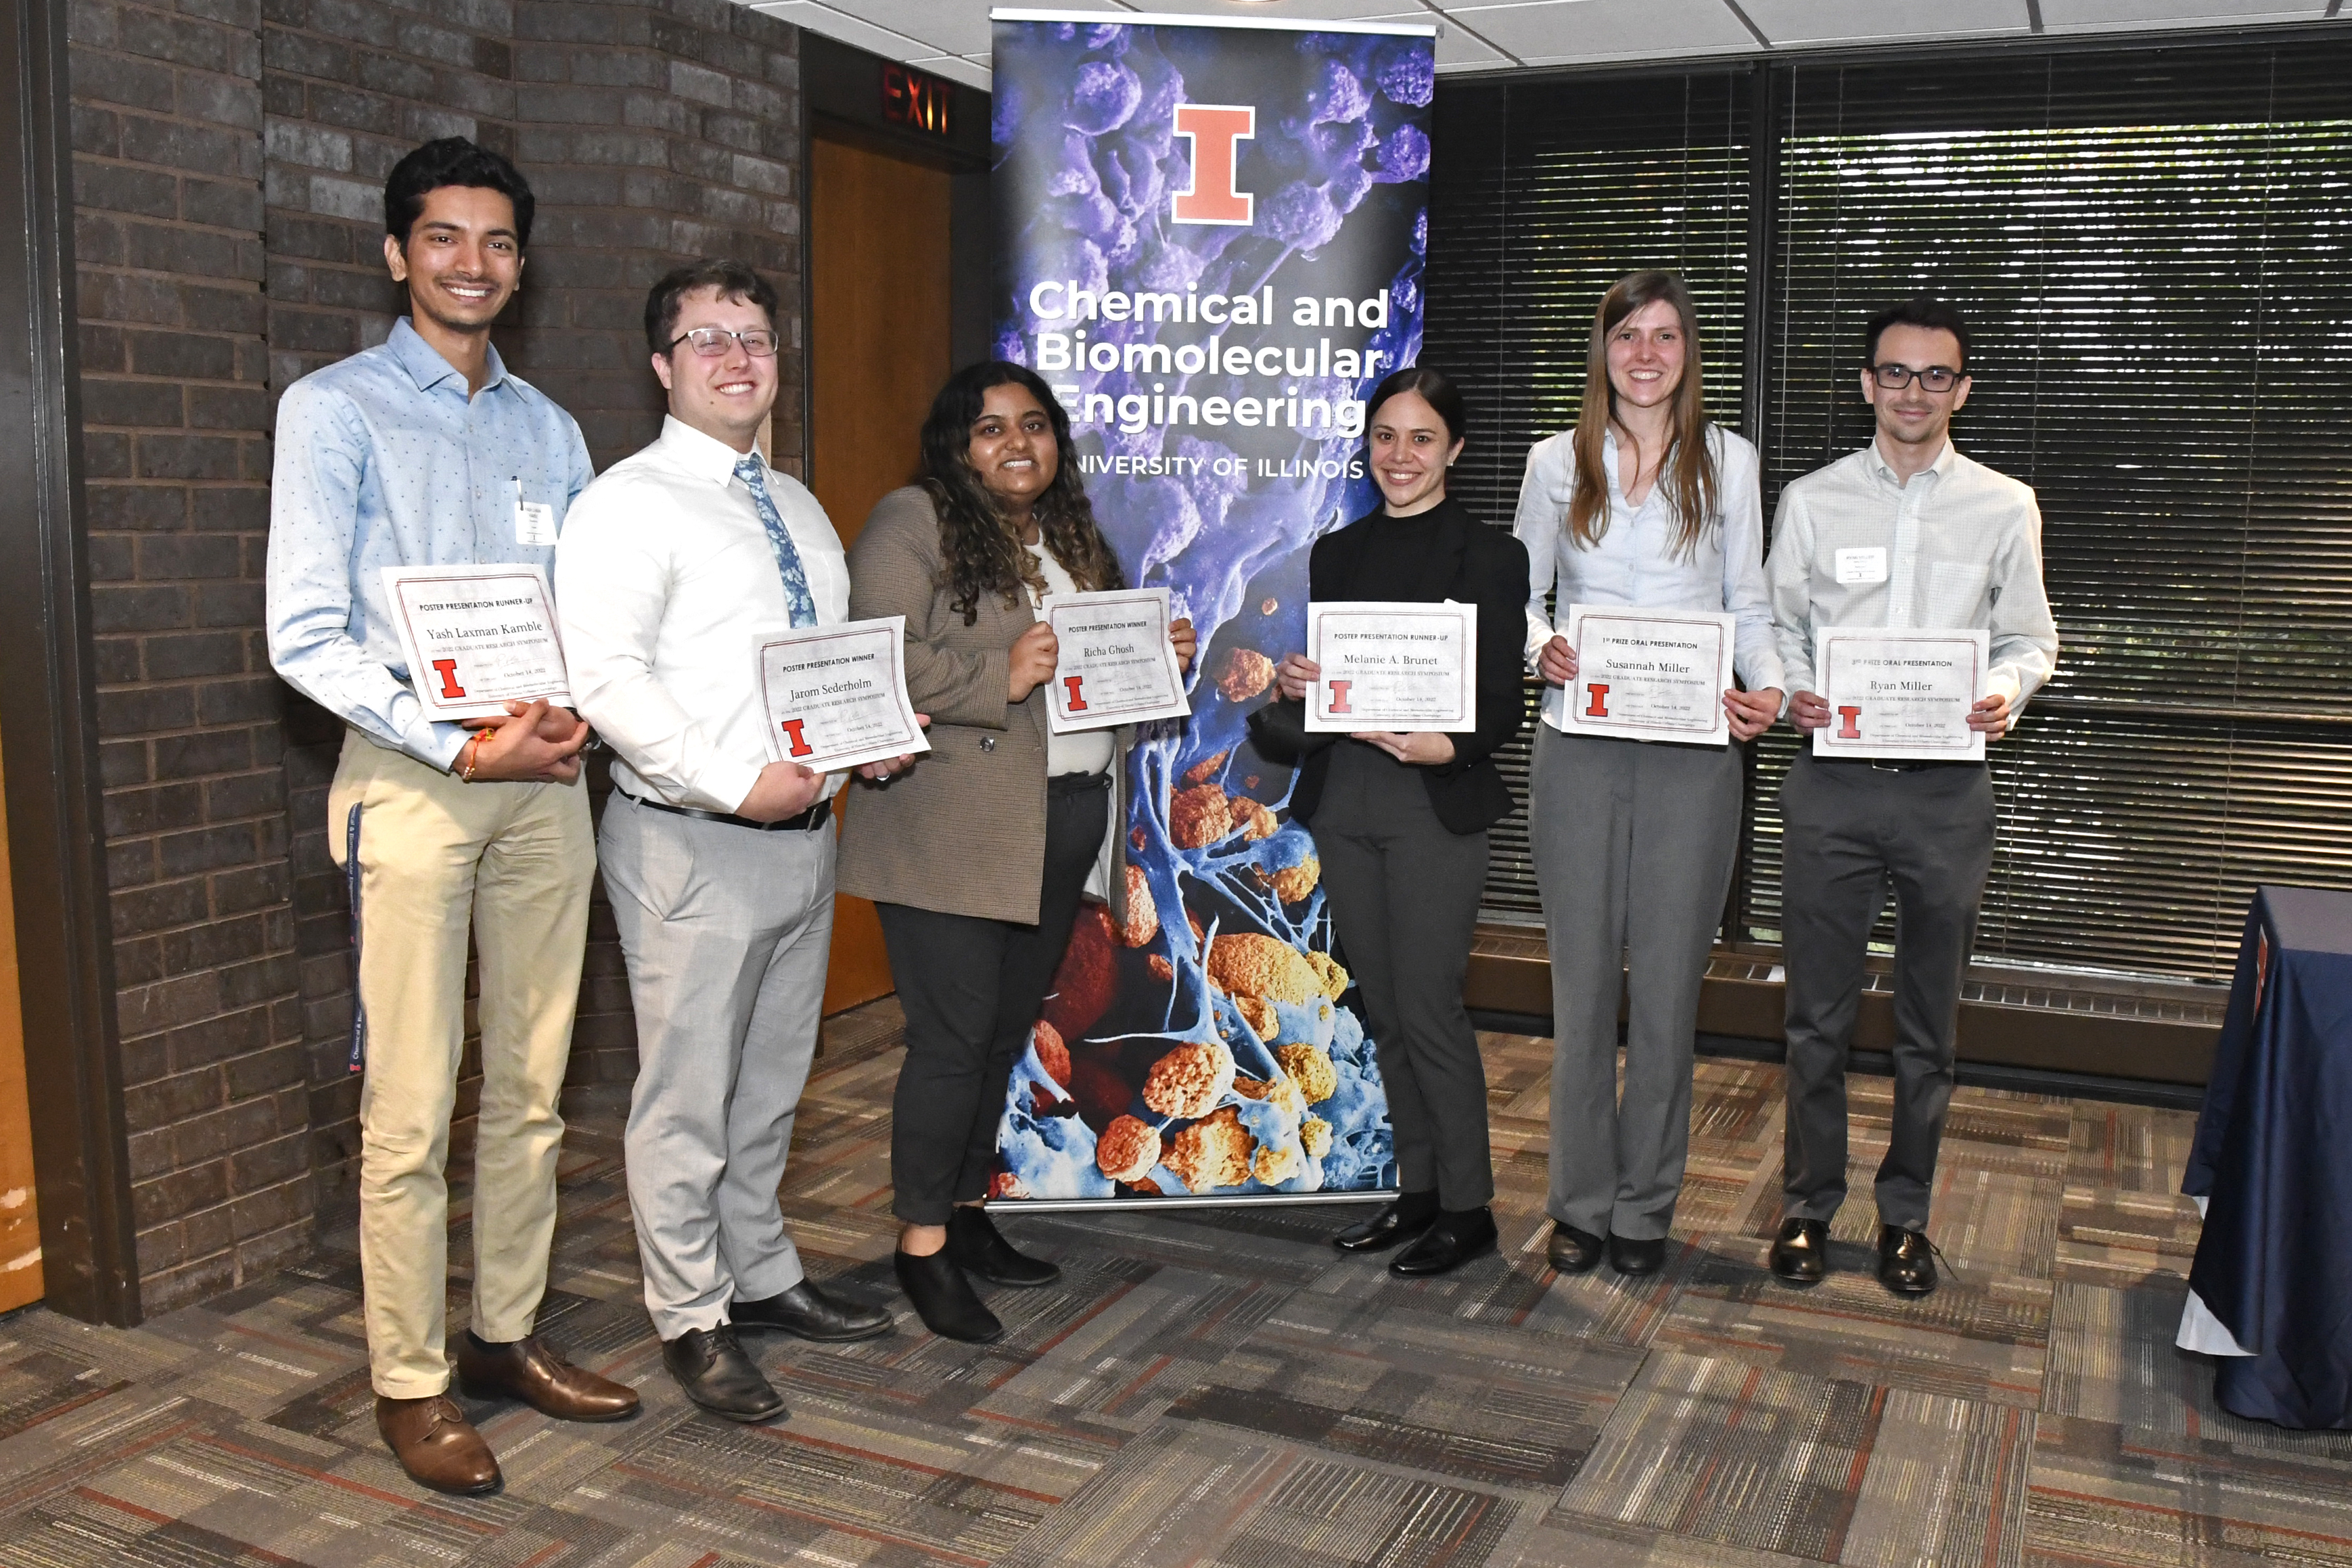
<point>915,98</point>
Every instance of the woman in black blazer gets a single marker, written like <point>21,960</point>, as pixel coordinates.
<point>1400,823</point>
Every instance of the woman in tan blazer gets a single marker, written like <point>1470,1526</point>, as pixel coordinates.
<point>976,855</point>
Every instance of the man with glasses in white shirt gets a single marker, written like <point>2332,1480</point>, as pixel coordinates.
<point>720,862</point>
<point>1905,533</point>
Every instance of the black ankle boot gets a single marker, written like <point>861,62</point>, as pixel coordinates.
<point>979,1247</point>
<point>945,1300</point>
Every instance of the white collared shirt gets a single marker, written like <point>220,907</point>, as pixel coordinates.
<point>665,582</point>
<point>1633,562</point>
<point>1959,545</point>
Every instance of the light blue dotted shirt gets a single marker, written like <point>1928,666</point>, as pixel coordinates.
<point>383,461</point>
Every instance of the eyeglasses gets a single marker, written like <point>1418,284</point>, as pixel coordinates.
<point>712,341</point>
<point>1934,378</point>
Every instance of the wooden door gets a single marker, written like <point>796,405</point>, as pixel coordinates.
<point>878,343</point>
<point>20,1223</point>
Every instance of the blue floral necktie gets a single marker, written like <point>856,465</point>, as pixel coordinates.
<point>797,597</point>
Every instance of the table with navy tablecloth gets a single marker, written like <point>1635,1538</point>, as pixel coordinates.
<point>2271,1290</point>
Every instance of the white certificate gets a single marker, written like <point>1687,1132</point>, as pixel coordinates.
<point>1900,694</point>
<point>1392,665</point>
<point>836,695</point>
<point>477,637</point>
<point>1645,675</point>
<point>1116,665</point>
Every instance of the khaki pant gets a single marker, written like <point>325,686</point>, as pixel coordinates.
<point>519,859</point>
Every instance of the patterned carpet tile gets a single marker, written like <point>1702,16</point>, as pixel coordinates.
<point>1778,1462</point>
<point>2103,1493</point>
<point>1976,1341</point>
<point>2125,1218</point>
<point>1561,1540</point>
<point>1732,1452</point>
<point>1196,1493</point>
<point>1491,1406</point>
<point>1519,1076</point>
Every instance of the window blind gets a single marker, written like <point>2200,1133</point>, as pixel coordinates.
<point>2150,247</point>
<point>1551,192</point>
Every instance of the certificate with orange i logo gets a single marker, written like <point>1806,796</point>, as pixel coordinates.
<point>1901,694</point>
<point>1113,663</point>
<point>836,695</point>
<point>1398,665</point>
<point>1645,675</point>
<point>478,637</point>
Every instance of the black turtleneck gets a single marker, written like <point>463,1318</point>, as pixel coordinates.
<point>1399,560</point>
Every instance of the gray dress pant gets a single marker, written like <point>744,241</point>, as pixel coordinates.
<point>1849,832</point>
<point>1634,848</point>
<point>1404,893</point>
<point>726,931</point>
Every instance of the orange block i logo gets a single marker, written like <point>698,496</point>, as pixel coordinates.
<point>1216,130</point>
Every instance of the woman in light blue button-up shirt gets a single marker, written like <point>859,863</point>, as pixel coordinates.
<point>1646,504</point>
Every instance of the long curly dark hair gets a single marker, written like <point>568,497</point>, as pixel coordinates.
<point>982,553</point>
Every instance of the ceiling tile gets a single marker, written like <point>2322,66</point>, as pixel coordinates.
<point>959,28</point>
<point>1799,22</point>
<point>1275,10</point>
<point>1456,49</point>
<point>955,68</point>
<point>1561,31</point>
<point>848,29</point>
<point>2072,15</point>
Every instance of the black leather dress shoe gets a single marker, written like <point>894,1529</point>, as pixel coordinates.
<point>1906,1260</point>
<point>1628,1256</point>
<point>1571,1251</point>
<point>976,1247</point>
<point>809,1313</point>
<point>718,1375</point>
<point>1383,1228</point>
<point>1453,1240</point>
<point>945,1300</point>
<point>1802,1255</point>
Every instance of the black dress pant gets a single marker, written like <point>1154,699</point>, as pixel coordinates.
<point>1404,893</point>
<point>970,988</point>
<point>1850,831</point>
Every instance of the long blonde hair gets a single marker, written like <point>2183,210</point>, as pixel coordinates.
<point>1688,471</point>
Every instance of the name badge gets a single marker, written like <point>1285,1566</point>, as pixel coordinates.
<point>1868,565</point>
<point>534,522</point>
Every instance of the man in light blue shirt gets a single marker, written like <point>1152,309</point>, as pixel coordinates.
<point>425,452</point>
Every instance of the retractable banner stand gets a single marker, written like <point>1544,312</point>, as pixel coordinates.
<point>1209,237</point>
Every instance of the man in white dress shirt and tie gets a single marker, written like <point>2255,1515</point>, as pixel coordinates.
<point>1905,533</point>
<point>718,862</point>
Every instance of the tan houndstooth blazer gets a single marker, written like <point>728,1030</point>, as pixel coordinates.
<point>962,831</point>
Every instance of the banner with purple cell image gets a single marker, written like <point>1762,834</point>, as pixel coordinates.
<point>1210,238</point>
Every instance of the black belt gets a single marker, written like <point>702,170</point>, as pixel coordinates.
<point>1919,766</point>
<point>817,816</point>
<point>1076,784</point>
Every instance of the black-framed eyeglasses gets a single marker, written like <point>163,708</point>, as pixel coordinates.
<point>712,341</point>
<point>1934,378</point>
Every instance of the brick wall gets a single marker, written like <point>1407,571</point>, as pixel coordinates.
<point>229,160</point>
<point>167,174</point>
<point>652,136</point>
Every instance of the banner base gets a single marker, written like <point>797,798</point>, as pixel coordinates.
<point>1211,1201</point>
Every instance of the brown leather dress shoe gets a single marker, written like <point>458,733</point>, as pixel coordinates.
<point>535,1371</point>
<point>436,1444</point>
